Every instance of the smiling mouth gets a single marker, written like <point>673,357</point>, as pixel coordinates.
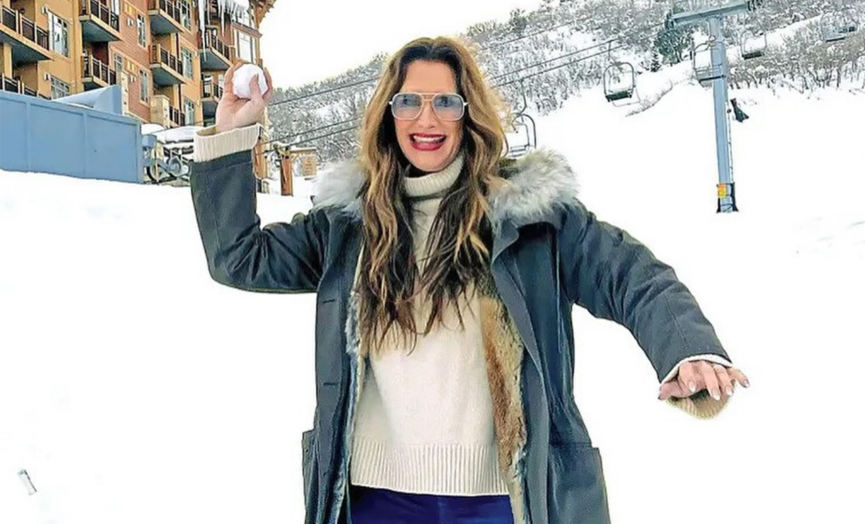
<point>428,139</point>
<point>425,142</point>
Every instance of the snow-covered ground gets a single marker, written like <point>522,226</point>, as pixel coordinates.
<point>134,389</point>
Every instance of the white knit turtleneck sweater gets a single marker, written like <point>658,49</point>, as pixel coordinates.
<point>424,420</point>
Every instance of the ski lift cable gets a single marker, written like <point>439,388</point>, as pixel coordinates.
<point>323,92</point>
<point>521,79</point>
<point>572,53</point>
<point>547,70</point>
<point>313,130</point>
<point>536,33</point>
<point>332,133</point>
<point>502,84</point>
<point>373,79</point>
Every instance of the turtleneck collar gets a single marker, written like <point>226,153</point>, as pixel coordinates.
<point>433,184</point>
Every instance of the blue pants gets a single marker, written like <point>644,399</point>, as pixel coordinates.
<point>383,506</point>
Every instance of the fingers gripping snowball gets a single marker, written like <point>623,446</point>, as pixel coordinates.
<point>243,75</point>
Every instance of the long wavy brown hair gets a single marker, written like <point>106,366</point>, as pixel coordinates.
<point>459,239</point>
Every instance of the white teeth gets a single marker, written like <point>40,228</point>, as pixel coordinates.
<point>428,140</point>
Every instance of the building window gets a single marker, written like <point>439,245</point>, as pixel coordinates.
<point>115,7</point>
<point>59,29</point>
<point>118,65</point>
<point>59,88</point>
<point>246,18</point>
<point>142,32</point>
<point>145,86</point>
<point>185,18</point>
<point>245,48</point>
<point>186,56</point>
<point>188,112</point>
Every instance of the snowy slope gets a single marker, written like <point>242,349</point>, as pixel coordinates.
<point>134,389</point>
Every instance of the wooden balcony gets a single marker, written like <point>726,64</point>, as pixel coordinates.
<point>98,23</point>
<point>211,92</point>
<point>216,55</point>
<point>176,116</point>
<point>167,16</point>
<point>13,85</point>
<point>167,69</point>
<point>29,43</point>
<point>96,73</point>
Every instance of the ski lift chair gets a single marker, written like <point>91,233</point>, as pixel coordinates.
<point>753,46</point>
<point>523,121</point>
<point>705,73</point>
<point>620,83</point>
<point>838,25</point>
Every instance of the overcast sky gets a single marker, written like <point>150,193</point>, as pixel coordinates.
<point>308,40</point>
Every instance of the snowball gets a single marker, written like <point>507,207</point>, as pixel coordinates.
<point>243,75</point>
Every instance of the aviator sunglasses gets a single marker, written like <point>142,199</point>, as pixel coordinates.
<point>447,106</point>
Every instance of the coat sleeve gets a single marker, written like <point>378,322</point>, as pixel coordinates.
<point>278,258</point>
<point>615,277</point>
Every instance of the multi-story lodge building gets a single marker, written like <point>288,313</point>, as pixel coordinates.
<point>168,58</point>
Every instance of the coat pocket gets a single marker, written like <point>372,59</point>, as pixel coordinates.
<point>310,474</point>
<point>577,490</point>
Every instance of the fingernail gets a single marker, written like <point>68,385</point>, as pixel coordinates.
<point>716,394</point>
<point>692,386</point>
<point>747,384</point>
<point>729,392</point>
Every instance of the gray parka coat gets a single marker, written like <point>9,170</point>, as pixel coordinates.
<point>549,253</point>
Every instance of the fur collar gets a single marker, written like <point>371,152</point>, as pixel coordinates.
<point>538,183</point>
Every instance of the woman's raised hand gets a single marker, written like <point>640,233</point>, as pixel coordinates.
<point>234,112</point>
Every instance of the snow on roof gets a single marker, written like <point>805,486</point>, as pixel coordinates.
<point>150,129</point>
<point>177,134</point>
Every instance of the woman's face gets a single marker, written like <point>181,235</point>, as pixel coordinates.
<point>428,142</point>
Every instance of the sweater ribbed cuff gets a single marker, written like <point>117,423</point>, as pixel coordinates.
<point>208,144</point>
<point>700,405</point>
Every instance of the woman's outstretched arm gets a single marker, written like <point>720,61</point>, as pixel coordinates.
<point>615,277</point>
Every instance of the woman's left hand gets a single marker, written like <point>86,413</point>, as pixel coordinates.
<point>698,375</point>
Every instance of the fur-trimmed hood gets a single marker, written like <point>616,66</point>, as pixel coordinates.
<point>538,183</point>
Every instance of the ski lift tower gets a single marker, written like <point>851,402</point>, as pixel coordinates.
<point>713,15</point>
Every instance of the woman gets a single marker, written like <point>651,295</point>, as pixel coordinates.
<point>445,279</point>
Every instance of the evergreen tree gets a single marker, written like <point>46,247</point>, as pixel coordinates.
<point>672,42</point>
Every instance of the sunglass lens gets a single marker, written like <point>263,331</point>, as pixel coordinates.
<point>407,105</point>
<point>448,106</point>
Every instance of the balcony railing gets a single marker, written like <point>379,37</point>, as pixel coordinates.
<point>102,12</point>
<point>25,27</point>
<point>174,10</point>
<point>211,89</point>
<point>176,116</point>
<point>212,41</point>
<point>13,85</point>
<point>95,68</point>
<point>160,55</point>
<point>9,84</point>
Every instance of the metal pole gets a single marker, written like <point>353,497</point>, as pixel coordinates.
<point>720,71</point>
<point>726,186</point>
